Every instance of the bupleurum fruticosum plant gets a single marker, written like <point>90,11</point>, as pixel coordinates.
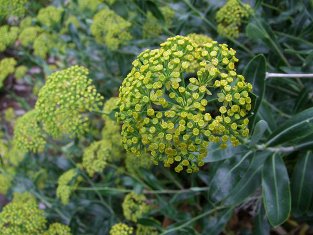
<point>65,100</point>
<point>179,98</point>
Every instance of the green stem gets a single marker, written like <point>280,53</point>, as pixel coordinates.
<point>49,205</point>
<point>163,191</point>
<point>209,212</point>
<point>276,109</point>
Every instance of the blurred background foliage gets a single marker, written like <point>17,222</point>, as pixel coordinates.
<point>90,183</point>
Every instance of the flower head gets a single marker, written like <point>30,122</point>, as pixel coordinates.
<point>88,5</point>
<point>230,17</point>
<point>58,229</point>
<point>7,67</point>
<point>67,183</point>
<point>199,39</point>
<point>180,97</point>
<point>8,36</point>
<point>95,157</point>
<point>110,28</point>
<point>12,7</point>
<point>20,72</point>
<point>5,183</point>
<point>42,44</point>
<point>111,131</point>
<point>65,100</point>
<point>22,217</point>
<point>135,206</point>
<point>29,34</point>
<point>27,133</point>
<point>152,27</point>
<point>121,229</point>
<point>50,16</point>
<point>146,230</point>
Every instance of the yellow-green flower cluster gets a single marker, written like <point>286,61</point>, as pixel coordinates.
<point>12,7</point>
<point>27,133</point>
<point>110,28</point>
<point>152,26</point>
<point>88,5</point>
<point>231,16</point>
<point>5,183</point>
<point>9,114</point>
<point>70,20</point>
<point>22,217</point>
<point>20,72</point>
<point>111,131</point>
<point>67,183</point>
<point>95,157</point>
<point>25,23</point>
<point>121,229</point>
<point>146,230</point>
<point>199,39</point>
<point>134,163</point>
<point>58,229</point>
<point>109,148</point>
<point>135,206</point>
<point>8,36</point>
<point>14,156</point>
<point>50,16</point>
<point>29,34</point>
<point>65,100</point>
<point>43,44</point>
<point>7,67</point>
<point>180,97</point>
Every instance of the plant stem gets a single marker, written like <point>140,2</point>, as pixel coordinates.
<point>291,75</point>
<point>165,191</point>
<point>283,149</point>
<point>209,212</point>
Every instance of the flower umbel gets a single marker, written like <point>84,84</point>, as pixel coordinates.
<point>65,100</point>
<point>22,217</point>
<point>67,183</point>
<point>135,206</point>
<point>180,97</point>
<point>121,229</point>
<point>110,28</point>
<point>7,66</point>
<point>231,16</point>
<point>58,229</point>
<point>28,135</point>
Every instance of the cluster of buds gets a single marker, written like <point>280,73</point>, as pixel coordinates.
<point>179,98</point>
<point>231,16</point>
<point>67,183</point>
<point>110,28</point>
<point>28,135</point>
<point>135,206</point>
<point>121,229</point>
<point>65,100</point>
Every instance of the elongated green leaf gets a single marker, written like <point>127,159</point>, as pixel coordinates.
<point>215,153</point>
<point>261,226</point>
<point>255,73</point>
<point>302,184</point>
<point>276,190</point>
<point>299,127</point>
<point>253,31</point>
<point>226,174</point>
<point>249,181</point>
<point>216,223</point>
<point>258,132</point>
